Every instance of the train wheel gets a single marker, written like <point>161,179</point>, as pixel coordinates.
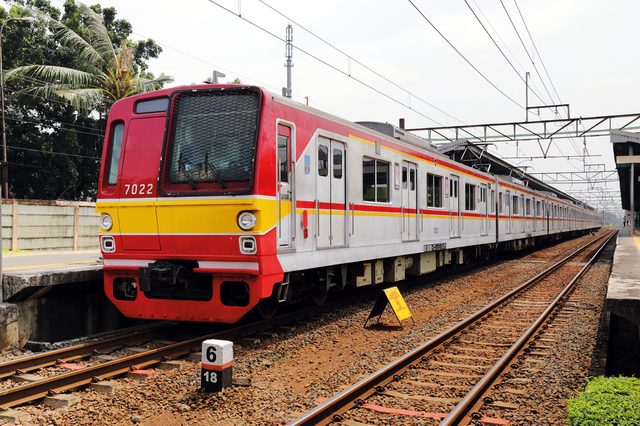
<point>319,292</point>
<point>267,308</point>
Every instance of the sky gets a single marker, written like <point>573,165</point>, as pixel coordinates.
<point>587,47</point>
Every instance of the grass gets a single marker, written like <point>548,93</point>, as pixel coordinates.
<point>607,401</point>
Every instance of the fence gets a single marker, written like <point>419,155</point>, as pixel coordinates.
<point>49,225</point>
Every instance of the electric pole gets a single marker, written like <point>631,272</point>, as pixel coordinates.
<point>289,64</point>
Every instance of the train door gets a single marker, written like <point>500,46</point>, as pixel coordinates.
<point>482,208</point>
<point>409,201</point>
<point>285,212</point>
<point>331,201</point>
<point>338,194</point>
<point>523,214</point>
<point>454,206</point>
<point>507,195</point>
<point>139,174</point>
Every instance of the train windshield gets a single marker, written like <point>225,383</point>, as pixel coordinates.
<point>213,141</point>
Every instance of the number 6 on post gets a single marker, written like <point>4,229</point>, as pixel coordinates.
<point>217,365</point>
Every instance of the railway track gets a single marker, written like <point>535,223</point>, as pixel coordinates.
<point>103,370</point>
<point>448,378</point>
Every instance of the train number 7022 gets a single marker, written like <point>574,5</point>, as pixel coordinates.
<point>138,188</point>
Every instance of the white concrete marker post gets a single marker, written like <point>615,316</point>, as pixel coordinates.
<point>217,365</point>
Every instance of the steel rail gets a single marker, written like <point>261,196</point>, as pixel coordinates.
<point>63,382</point>
<point>354,395</point>
<point>60,383</point>
<point>459,414</point>
<point>83,350</point>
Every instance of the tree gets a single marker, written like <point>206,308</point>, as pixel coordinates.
<point>53,150</point>
<point>101,72</point>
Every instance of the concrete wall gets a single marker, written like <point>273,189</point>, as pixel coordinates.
<point>49,225</point>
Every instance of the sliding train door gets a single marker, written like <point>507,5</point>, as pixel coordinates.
<point>454,206</point>
<point>331,194</point>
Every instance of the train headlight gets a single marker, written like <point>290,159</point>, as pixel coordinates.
<point>247,220</point>
<point>106,222</point>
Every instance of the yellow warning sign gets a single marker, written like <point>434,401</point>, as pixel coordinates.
<point>398,304</point>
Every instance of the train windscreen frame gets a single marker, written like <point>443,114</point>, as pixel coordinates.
<point>211,144</point>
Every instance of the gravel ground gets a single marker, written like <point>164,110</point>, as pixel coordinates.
<point>290,371</point>
<point>569,347</point>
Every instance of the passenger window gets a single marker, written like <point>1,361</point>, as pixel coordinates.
<point>404,177</point>
<point>375,180</point>
<point>283,157</point>
<point>337,163</point>
<point>117,134</point>
<point>434,190</point>
<point>469,197</point>
<point>492,201</point>
<point>412,179</point>
<point>323,160</point>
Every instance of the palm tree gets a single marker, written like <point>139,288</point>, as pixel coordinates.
<point>101,74</point>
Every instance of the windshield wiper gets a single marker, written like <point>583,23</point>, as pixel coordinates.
<point>216,174</point>
<point>187,174</point>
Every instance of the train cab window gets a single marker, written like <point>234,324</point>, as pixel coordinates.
<point>152,105</point>
<point>434,190</point>
<point>211,142</point>
<point>323,160</point>
<point>469,197</point>
<point>117,134</point>
<point>337,163</point>
<point>375,180</point>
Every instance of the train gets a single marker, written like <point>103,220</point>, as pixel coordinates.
<point>220,200</point>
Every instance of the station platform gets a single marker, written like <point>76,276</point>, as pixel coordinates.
<point>30,274</point>
<point>623,294</point>
<point>623,306</point>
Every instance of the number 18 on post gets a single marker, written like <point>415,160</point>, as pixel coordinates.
<point>217,365</point>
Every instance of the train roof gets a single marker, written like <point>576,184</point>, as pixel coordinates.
<point>476,155</point>
<point>461,151</point>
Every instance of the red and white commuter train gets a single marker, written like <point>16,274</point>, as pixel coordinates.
<point>216,200</point>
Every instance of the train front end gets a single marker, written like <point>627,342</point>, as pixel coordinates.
<point>187,206</point>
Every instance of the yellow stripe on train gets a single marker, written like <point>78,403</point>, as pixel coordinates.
<point>195,216</point>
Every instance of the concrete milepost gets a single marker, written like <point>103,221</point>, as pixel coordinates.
<point>217,365</point>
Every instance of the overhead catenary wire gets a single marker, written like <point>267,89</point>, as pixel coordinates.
<point>351,58</point>
<point>324,62</point>
<point>500,49</point>
<point>531,59</point>
<point>43,151</point>
<point>537,51</point>
<point>527,51</point>
<point>464,57</point>
<point>49,126</point>
<point>573,144</point>
<point>230,71</point>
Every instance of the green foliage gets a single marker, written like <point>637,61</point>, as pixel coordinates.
<point>53,150</point>
<point>101,71</point>
<point>607,401</point>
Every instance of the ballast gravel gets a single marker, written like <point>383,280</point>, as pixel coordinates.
<point>291,372</point>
